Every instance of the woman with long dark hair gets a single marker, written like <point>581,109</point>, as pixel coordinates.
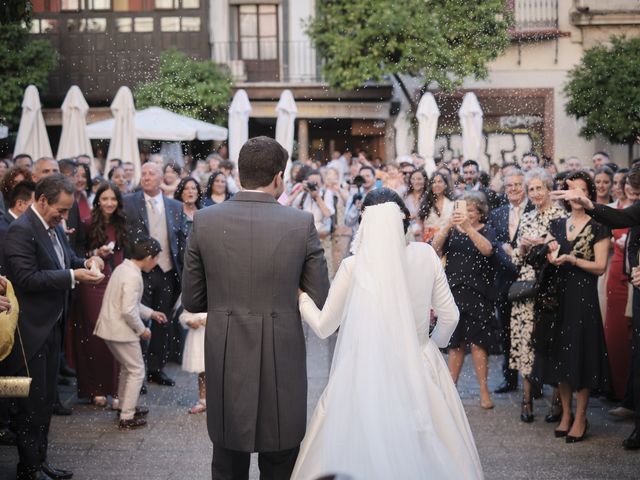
<point>217,190</point>
<point>188,192</point>
<point>106,234</point>
<point>437,205</point>
<point>83,193</point>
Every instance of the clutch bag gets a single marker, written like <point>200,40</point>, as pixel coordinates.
<point>522,290</point>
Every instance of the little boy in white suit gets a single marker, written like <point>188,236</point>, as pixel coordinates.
<point>120,325</point>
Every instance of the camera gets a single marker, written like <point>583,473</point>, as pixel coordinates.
<point>358,181</point>
<point>312,186</point>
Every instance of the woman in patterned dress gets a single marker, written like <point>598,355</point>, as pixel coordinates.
<point>533,230</point>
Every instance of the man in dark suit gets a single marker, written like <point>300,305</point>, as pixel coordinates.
<point>43,270</point>
<point>244,264</point>
<point>471,175</point>
<point>150,214</point>
<point>505,221</point>
<point>19,200</point>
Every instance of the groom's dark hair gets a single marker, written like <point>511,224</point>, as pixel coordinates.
<point>260,159</point>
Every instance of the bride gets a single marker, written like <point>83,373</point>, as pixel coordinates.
<point>390,408</point>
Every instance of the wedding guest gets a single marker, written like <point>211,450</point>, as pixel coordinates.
<point>13,176</point>
<point>437,205</point>
<point>529,161</point>
<point>106,237</point>
<point>44,167</point>
<point>394,179</point>
<point>467,242</point>
<point>471,175</point>
<point>193,356</point>
<point>43,269</point>
<point>4,167</point>
<point>151,214</point>
<point>533,230</point>
<point>84,196</point>
<point>579,353</point>
<point>23,160</point>
<point>188,192</point>
<point>171,179</point>
<point>117,177</point>
<point>604,183</point>
<point>617,323</point>
<point>340,233</point>
<point>120,325</point>
<point>617,190</point>
<point>129,175</point>
<point>413,200</point>
<point>217,190</point>
<point>505,221</point>
<point>228,168</point>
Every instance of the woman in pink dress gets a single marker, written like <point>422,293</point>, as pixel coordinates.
<point>106,234</point>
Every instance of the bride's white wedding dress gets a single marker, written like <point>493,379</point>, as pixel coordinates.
<point>390,409</point>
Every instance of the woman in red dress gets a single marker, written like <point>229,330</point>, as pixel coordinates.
<point>617,326</point>
<point>106,234</point>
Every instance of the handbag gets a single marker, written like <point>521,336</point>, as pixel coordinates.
<point>16,387</point>
<point>523,290</point>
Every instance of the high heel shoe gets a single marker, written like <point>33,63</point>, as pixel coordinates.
<point>563,433</point>
<point>555,412</point>
<point>572,439</point>
<point>526,414</point>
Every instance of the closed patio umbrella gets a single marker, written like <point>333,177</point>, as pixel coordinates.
<point>470,115</point>
<point>32,136</point>
<point>285,124</point>
<point>427,115</point>
<point>239,111</point>
<point>124,142</point>
<point>74,140</point>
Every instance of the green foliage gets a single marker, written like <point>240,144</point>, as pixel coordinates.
<point>15,11</point>
<point>437,40</point>
<point>604,91</point>
<point>197,88</point>
<point>24,61</point>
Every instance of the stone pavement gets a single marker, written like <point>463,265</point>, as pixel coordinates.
<point>175,445</point>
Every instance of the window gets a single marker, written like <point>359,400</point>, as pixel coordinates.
<point>143,24</point>
<point>180,24</point>
<point>124,25</point>
<point>258,32</point>
<point>48,25</point>
<point>190,4</point>
<point>167,4</point>
<point>98,4</point>
<point>89,25</point>
<point>70,5</point>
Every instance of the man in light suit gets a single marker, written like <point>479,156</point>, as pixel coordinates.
<point>245,261</point>
<point>150,214</point>
<point>43,270</point>
<point>505,221</point>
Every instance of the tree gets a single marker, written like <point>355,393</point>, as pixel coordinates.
<point>24,60</point>
<point>435,40</point>
<point>196,88</point>
<point>604,91</point>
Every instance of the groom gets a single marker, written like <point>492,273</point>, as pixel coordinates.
<point>245,261</point>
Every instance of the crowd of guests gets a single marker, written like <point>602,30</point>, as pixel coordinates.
<point>536,280</point>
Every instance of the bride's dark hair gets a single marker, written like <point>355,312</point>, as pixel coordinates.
<point>384,195</point>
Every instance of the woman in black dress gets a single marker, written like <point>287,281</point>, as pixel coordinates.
<point>578,355</point>
<point>467,243</point>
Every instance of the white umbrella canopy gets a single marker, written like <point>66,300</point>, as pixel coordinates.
<point>32,136</point>
<point>155,123</point>
<point>285,124</point>
<point>470,115</point>
<point>239,111</point>
<point>404,138</point>
<point>124,142</point>
<point>427,115</point>
<point>74,140</point>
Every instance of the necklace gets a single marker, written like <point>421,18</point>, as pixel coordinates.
<point>572,227</point>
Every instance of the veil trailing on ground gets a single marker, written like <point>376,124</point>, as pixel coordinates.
<point>378,421</point>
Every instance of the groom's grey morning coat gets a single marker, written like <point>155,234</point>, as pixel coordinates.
<point>244,262</point>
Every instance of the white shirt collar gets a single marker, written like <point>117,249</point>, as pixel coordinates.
<point>44,224</point>
<point>15,217</point>
<point>155,199</point>
<point>522,205</point>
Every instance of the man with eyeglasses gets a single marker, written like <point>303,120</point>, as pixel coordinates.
<point>505,221</point>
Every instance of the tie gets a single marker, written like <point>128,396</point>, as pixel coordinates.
<point>514,221</point>
<point>56,246</point>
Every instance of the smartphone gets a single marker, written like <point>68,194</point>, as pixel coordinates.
<point>460,206</point>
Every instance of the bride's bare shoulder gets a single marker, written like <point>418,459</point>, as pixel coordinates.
<point>420,250</point>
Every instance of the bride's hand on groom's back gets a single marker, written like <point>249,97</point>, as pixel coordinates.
<point>300,292</point>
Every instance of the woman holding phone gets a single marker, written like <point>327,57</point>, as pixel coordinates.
<point>467,243</point>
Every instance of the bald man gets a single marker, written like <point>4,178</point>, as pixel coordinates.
<point>151,214</point>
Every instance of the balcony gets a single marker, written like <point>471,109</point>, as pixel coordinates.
<point>534,19</point>
<point>269,61</point>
